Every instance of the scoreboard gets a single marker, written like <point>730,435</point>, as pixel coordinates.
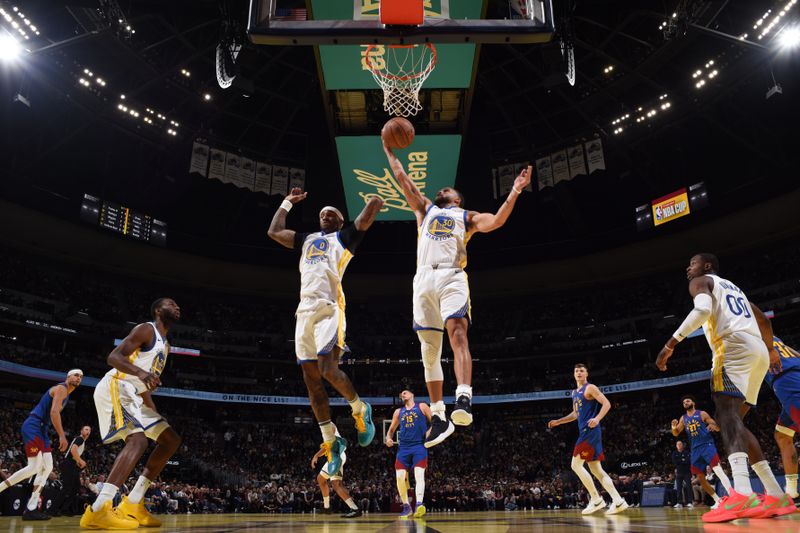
<point>123,220</point>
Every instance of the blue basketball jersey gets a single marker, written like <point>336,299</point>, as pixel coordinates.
<point>697,430</point>
<point>587,409</point>
<point>42,410</point>
<point>413,426</point>
<point>789,362</point>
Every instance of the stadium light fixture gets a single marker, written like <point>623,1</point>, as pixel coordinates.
<point>9,48</point>
<point>789,38</point>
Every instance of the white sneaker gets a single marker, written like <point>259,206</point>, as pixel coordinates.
<point>690,506</point>
<point>677,506</point>
<point>617,507</point>
<point>594,506</point>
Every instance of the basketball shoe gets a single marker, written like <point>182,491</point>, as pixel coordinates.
<point>333,453</point>
<point>462,414</point>
<point>107,518</point>
<point>594,506</point>
<point>138,512</point>
<point>440,430</point>
<point>406,512</point>
<point>365,426</point>
<point>731,507</point>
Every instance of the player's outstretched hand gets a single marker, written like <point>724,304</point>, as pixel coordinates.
<point>389,442</point>
<point>297,195</point>
<point>663,356</point>
<point>674,423</point>
<point>524,178</point>
<point>551,424</point>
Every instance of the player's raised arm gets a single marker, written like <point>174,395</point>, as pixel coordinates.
<point>700,289</point>
<point>677,426</point>
<point>277,229</point>
<point>486,222</point>
<point>367,216</point>
<point>392,428</point>
<point>593,393</point>
<point>119,358</point>
<point>416,200</point>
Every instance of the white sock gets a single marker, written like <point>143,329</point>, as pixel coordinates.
<point>137,494</point>
<point>357,405</point>
<point>419,484</point>
<point>106,494</point>
<point>402,488</point>
<point>33,501</point>
<point>586,479</point>
<point>438,409</point>
<point>764,473</point>
<point>326,502</point>
<point>605,481</point>
<point>791,485</point>
<point>351,504</point>
<point>328,430</point>
<point>723,477</point>
<point>464,389</point>
<point>20,475</point>
<point>741,477</point>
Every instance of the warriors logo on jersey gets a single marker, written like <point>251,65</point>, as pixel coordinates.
<point>440,227</point>
<point>316,251</point>
<point>160,361</point>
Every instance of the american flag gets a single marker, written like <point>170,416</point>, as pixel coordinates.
<point>291,14</point>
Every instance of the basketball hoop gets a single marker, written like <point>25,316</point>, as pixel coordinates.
<point>401,75</point>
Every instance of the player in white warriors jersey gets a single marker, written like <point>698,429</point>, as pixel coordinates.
<point>320,330</point>
<point>441,291</point>
<point>125,410</point>
<point>740,362</point>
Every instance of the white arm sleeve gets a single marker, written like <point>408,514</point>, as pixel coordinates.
<point>696,318</point>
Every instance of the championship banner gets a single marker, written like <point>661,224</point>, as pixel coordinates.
<point>216,168</point>
<point>263,177</point>
<point>577,165</point>
<point>297,178</point>
<point>544,172</point>
<point>345,66</point>
<point>431,162</point>
<point>670,207</point>
<point>280,181</point>
<point>233,165</point>
<point>199,161</point>
<point>565,394</point>
<point>594,155</point>
<point>506,178</point>
<point>560,166</point>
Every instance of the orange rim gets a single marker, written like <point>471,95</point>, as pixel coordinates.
<point>382,74</point>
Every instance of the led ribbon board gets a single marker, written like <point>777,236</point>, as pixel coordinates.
<point>345,66</point>
<point>431,162</point>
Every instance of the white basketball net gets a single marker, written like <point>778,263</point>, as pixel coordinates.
<point>401,70</point>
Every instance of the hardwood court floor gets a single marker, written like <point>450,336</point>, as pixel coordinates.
<point>634,521</point>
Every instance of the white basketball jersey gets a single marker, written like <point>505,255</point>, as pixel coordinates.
<point>323,260</point>
<point>153,360</point>
<point>443,238</point>
<point>730,313</point>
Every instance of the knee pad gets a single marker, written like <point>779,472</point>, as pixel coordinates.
<point>431,342</point>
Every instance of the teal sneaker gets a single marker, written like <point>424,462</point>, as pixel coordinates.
<point>333,454</point>
<point>364,426</point>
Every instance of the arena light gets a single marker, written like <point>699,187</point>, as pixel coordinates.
<point>207,97</point>
<point>186,73</point>
<point>9,48</point>
<point>789,38</point>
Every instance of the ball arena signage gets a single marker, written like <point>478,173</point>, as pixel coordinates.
<point>670,207</point>
<point>431,162</point>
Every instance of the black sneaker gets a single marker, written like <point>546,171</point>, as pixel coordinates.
<point>352,513</point>
<point>35,515</point>
<point>440,430</point>
<point>462,414</point>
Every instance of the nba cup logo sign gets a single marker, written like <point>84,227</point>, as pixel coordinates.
<point>441,227</point>
<point>317,251</point>
<point>670,207</point>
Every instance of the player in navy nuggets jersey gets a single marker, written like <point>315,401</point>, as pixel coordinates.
<point>784,378</point>
<point>441,292</point>
<point>698,425</point>
<point>319,336</point>
<point>36,439</point>
<point>412,419</point>
<point>589,406</point>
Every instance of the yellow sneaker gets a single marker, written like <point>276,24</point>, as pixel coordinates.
<point>138,512</point>
<point>420,511</point>
<point>106,518</point>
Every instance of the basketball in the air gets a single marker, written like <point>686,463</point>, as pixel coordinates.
<point>397,133</point>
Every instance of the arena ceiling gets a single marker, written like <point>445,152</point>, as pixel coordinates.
<point>64,137</point>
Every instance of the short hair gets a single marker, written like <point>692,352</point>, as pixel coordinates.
<point>710,258</point>
<point>155,305</point>
<point>688,397</point>
<point>581,365</point>
<point>460,198</point>
<point>406,389</point>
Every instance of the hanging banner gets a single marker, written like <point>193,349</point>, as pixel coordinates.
<point>280,181</point>
<point>199,161</point>
<point>431,162</point>
<point>594,155</point>
<point>297,178</point>
<point>247,174</point>
<point>233,166</point>
<point>560,166</point>
<point>544,172</point>
<point>216,168</point>
<point>506,178</point>
<point>577,166</point>
<point>263,177</point>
